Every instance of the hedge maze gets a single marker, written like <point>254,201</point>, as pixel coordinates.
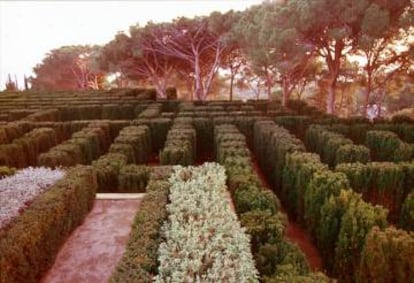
<point>348,182</point>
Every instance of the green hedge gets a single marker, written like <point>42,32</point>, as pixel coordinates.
<point>258,208</point>
<point>359,218</point>
<point>139,262</point>
<point>6,171</point>
<point>30,244</point>
<point>180,146</point>
<point>133,179</point>
<point>379,182</point>
<point>297,173</point>
<point>297,125</point>
<point>387,256</point>
<point>334,148</point>
<point>82,148</point>
<point>107,168</point>
<point>407,213</point>
<point>387,146</point>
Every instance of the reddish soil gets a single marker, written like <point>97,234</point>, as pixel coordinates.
<point>154,160</point>
<point>94,248</point>
<point>296,234</point>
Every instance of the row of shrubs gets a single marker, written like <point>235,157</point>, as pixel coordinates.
<point>259,212</point>
<point>134,142</point>
<point>115,175</point>
<point>384,183</point>
<point>31,242</point>
<point>334,148</point>
<point>139,261</point>
<point>180,146</point>
<point>11,131</point>
<point>357,130</point>
<point>82,148</point>
<point>23,151</point>
<point>337,218</point>
<point>159,128</point>
<point>387,146</point>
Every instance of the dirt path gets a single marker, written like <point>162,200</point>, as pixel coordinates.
<point>296,234</point>
<point>94,248</point>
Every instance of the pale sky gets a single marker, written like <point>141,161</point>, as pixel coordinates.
<point>29,29</point>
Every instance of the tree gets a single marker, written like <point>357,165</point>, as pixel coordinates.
<point>333,28</point>
<point>387,46</point>
<point>68,68</point>
<point>197,44</point>
<point>11,85</point>
<point>274,47</point>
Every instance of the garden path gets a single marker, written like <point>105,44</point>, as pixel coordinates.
<point>92,251</point>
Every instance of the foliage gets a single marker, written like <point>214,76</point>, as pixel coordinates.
<point>356,223</point>
<point>387,256</point>
<point>133,178</point>
<point>139,262</point>
<point>69,68</point>
<point>386,146</point>
<point>49,219</point>
<point>407,213</point>
<point>212,245</point>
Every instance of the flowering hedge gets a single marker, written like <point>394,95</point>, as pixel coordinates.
<point>203,238</point>
<point>18,191</point>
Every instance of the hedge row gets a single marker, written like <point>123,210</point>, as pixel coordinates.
<point>139,262</point>
<point>11,131</point>
<point>197,208</point>
<point>336,217</point>
<point>23,151</point>
<point>44,115</point>
<point>334,148</point>
<point>152,111</point>
<point>180,146</point>
<point>29,245</point>
<point>357,130</point>
<point>259,211</point>
<point>387,256</point>
<point>82,148</point>
<point>107,168</point>
<point>387,146</point>
<point>383,183</point>
<point>159,129</point>
<point>271,144</point>
<point>134,142</point>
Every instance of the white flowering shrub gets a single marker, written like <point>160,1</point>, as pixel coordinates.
<point>18,191</point>
<point>204,241</point>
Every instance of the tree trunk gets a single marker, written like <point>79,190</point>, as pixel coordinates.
<point>231,86</point>
<point>367,94</point>
<point>330,105</point>
<point>286,92</point>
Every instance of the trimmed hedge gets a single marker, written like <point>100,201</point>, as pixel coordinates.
<point>379,182</point>
<point>358,219</point>
<point>137,138</point>
<point>139,262</point>
<point>334,148</point>
<point>387,146</point>
<point>83,147</point>
<point>407,213</point>
<point>180,146</point>
<point>107,168</point>
<point>24,150</point>
<point>133,179</point>
<point>258,209</point>
<point>387,256</point>
<point>30,244</point>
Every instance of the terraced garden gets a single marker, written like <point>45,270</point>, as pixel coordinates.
<point>228,191</point>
